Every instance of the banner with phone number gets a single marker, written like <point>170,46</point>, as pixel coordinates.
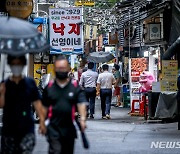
<point>66,30</point>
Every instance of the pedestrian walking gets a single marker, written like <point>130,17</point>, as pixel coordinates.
<point>117,85</point>
<point>75,73</point>
<point>104,88</point>
<point>88,81</point>
<point>61,97</point>
<point>17,95</point>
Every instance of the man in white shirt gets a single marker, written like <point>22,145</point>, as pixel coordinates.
<point>104,88</point>
<point>88,81</point>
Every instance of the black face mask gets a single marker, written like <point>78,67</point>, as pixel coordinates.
<point>61,75</point>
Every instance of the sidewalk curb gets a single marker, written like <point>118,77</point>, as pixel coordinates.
<point>154,121</point>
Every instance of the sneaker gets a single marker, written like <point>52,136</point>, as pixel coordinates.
<point>104,117</point>
<point>108,116</point>
<point>91,116</point>
<point>118,104</point>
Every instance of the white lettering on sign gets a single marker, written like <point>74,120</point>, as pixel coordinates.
<point>66,29</point>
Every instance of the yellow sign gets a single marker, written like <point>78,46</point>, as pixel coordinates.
<point>36,75</point>
<point>19,8</point>
<point>84,2</point>
<point>169,69</point>
<point>168,85</point>
<point>169,75</point>
<point>50,70</point>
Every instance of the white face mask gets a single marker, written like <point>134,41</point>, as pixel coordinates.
<point>17,70</point>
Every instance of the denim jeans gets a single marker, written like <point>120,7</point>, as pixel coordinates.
<point>90,95</point>
<point>106,97</point>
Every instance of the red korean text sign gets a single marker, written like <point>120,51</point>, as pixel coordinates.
<point>66,30</point>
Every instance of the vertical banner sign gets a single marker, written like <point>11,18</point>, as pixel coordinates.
<point>169,75</point>
<point>136,67</point>
<point>90,32</point>
<point>66,30</point>
<point>113,38</point>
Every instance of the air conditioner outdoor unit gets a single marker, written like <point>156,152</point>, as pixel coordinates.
<point>154,31</point>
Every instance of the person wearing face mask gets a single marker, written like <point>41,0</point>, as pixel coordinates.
<point>17,95</point>
<point>61,97</point>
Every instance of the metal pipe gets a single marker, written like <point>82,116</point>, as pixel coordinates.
<point>172,50</point>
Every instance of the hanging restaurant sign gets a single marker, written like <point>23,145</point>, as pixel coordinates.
<point>90,32</point>
<point>19,8</point>
<point>66,30</point>
<point>113,38</point>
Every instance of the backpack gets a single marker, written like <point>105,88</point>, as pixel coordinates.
<point>74,107</point>
<point>73,114</point>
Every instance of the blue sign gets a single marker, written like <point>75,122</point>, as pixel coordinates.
<point>105,41</point>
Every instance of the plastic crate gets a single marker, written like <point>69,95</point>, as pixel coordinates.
<point>126,104</point>
<point>126,96</point>
<point>125,88</point>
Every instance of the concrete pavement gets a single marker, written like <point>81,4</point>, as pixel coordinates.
<point>122,134</point>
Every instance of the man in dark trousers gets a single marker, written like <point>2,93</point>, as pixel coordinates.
<point>104,88</point>
<point>17,95</point>
<point>88,81</point>
<point>62,97</point>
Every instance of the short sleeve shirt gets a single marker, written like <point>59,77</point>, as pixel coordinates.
<point>88,79</point>
<point>118,75</point>
<point>62,100</point>
<point>17,111</point>
<point>106,80</point>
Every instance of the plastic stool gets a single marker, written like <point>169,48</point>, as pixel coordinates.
<point>133,110</point>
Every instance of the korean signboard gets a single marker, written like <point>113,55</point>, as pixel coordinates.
<point>168,85</point>
<point>136,67</point>
<point>113,38</point>
<point>105,41</point>
<point>169,75</point>
<point>169,69</point>
<point>91,32</point>
<point>19,8</point>
<point>66,30</point>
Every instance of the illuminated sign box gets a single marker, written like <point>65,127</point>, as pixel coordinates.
<point>85,3</point>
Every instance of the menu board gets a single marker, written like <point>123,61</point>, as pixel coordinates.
<point>168,85</point>
<point>169,69</point>
<point>169,75</point>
